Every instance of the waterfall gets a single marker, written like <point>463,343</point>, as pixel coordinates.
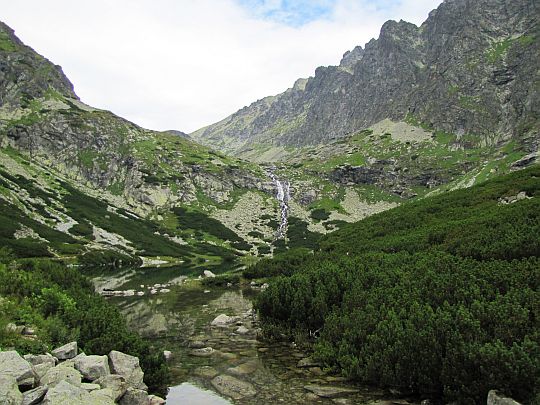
<point>283,196</point>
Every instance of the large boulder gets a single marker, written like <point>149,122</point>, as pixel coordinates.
<point>64,393</point>
<point>41,369</point>
<point>11,363</point>
<point>93,367</point>
<point>497,398</point>
<point>68,351</point>
<point>116,383</point>
<point>128,367</point>
<point>34,396</point>
<point>134,396</point>
<point>61,373</point>
<point>37,359</point>
<point>9,391</point>
<point>233,387</point>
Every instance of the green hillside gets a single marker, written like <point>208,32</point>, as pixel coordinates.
<point>437,297</point>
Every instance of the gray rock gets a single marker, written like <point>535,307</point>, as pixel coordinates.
<point>128,367</point>
<point>64,393</point>
<point>135,397</point>
<point>90,387</point>
<point>93,367</point>
<point>496,398</point>
<point>115,382</point>
<point>68,351</point>
<point>11,363</point>
<point>60,373</point>
<point>34,396</point>
<point>9,391</point>
<point>242,330</point>
<point>41,369</point>
<point>40,359</point>
<point>327,391</point>
<point>233,387</point>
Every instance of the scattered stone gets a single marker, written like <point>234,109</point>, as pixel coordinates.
<point>496,398</point>
<point>93,367</point>
<point>12,364</point>
<point>9,391</point>
<point>34,396</point>
<point>61,373</point>
<point>134,396</point>
<point>128,367</point>
<point>68,351</point>
<point>263,349</point>
<point>28,331</point>
<point>208,274</point>
<point>310,397</point>
<point>316,371</point>
<point>326,391</point>
<point>308,362</point>
<point>224,320</point>
<point>205,372</point>
<point>229,355</point>
<point>114,382</point>
<point>233,387</point>
<point>204,352</point>
<point>242,330</point>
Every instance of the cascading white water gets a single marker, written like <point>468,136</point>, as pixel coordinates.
<point>283,196</point>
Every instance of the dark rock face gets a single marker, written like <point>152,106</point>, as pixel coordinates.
<point>469,69</point>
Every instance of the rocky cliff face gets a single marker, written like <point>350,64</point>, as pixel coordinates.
<point>471,69</point>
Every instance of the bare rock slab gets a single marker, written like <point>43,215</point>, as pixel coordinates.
<point>327,391</point>
<point>233,387</point>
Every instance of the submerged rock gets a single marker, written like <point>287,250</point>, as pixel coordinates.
<point>204,352</point>
<point>326,391</point>
<point>233,387</point>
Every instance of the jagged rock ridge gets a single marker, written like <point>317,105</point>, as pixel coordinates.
<point>470,69</point>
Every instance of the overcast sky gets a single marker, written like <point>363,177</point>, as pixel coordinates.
<point>184,64</point>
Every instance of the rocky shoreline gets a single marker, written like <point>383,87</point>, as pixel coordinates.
<point>66,376</point>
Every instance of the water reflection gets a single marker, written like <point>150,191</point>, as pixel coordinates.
<point>227,358</point>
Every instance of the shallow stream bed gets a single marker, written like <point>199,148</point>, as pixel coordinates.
<point>227,363</point>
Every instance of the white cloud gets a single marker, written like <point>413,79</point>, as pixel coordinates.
<point>168,64</point>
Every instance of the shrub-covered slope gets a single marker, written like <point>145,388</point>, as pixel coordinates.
<point>439,296</point>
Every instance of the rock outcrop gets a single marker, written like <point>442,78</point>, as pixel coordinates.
<point>77,379</point>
